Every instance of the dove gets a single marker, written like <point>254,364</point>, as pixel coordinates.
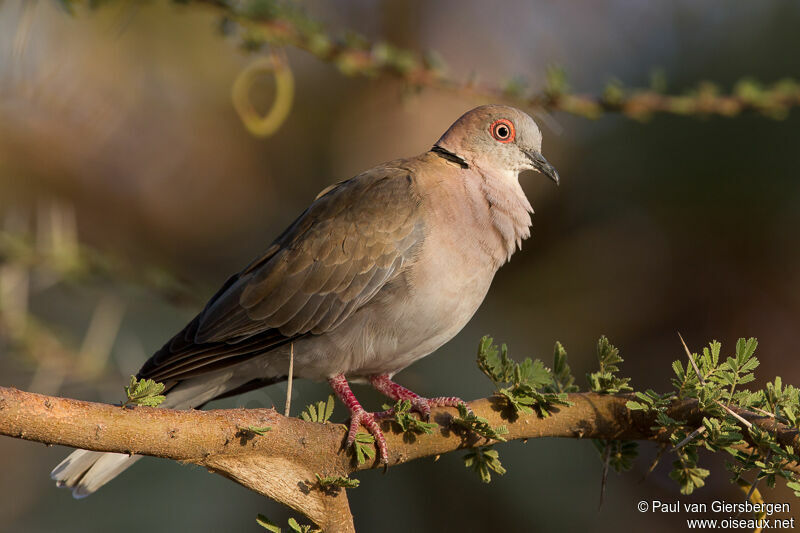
<point>379,271</point>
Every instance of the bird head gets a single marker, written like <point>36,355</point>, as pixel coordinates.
<point>497,137</point>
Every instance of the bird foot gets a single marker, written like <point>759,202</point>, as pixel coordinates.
<point>369,420</point>
<point>387,387</point>
<point>423,406</point>
<point>360,417</point>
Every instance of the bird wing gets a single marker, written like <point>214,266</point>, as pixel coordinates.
<point>353,239</point>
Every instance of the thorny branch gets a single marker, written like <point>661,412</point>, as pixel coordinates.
<point>261,23</point>
<point>283,463</point>
<point>265,22</point>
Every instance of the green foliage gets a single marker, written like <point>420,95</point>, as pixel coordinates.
<point>469,421</point>
<point>795,486</point>
<point>267,524</point>
<point>782,401</point>
<point>614,93</point>
<point>649,400</point>
<point>620,453</point>
<point>686,472</point>
<point>737,370</point>
<point>605,380</point>
<point>716,384</point>
<point>720,434</point>
<point>515,87</point>
<point>556,83</point>
<point>563,380</point>
<point>337,481</point>
<point>256,430</point>
<point>320,412</point>
<point>144,392</point>
<point>528,386</point>
<point>305,528</point>
<point>484,460</point>
<point>409,423</point>
<point>364,447</point>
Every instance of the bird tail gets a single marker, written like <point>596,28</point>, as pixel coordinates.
<point>84,471</point>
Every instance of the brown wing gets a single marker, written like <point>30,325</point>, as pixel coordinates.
<point>334,258</point>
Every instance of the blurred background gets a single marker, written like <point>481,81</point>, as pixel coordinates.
<point>130,190</point>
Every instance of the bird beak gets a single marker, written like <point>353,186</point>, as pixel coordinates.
<point>541,165</point>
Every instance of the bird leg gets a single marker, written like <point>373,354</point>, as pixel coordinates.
<point>358,416</point>
<point>387,387</point>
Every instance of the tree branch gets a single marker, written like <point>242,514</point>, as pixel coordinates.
<point>282,463</point>
<point>258,23</point>
<point>278,23</point>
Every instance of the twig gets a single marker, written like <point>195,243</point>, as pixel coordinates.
<point>735,415</point>
<point>606,461</point>
<point>661,449</point>
<point>291,377</point>
<point>702,382</point>
<point>689,438</point>
<point>765,413</point>
<point>757,479</point>
<point>691,359</point>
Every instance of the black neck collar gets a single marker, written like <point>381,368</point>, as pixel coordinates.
<point>449,156</point>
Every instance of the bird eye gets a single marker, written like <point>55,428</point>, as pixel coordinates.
<point>502,130</point>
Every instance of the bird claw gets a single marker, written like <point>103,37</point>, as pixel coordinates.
<point>360,418</point>
<point>423,406</point>
<point>387,387</point>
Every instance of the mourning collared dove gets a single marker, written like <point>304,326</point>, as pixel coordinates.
<point>379,271</point>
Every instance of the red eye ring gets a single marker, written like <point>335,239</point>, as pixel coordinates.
<point>503,130</point>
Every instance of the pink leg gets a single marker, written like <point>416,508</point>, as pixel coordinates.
<point>358,416</point>
<point>389,388</point>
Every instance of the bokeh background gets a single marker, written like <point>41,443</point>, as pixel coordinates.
<point>127,178</point>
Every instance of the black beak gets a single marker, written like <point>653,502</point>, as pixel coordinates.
<point>541,164</point>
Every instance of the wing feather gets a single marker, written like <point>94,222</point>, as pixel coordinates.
<point>356,237</point>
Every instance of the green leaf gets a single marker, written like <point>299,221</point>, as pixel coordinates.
<point>256,430</point>
<point>605,381</point>
<point>469,421</point>
<point>621,453</point>
<point>528,386</point>
<point>409,423</point>
<point>532,373</point>
<point>745,349</point>
<point>364,447</point>
<point>795,486</point>
<point>484,461</point>
<point>713,352</point>
<point>684,469</point>
<point>337,481</point>
<point>267,524</point>
<point>563,380</point>
<point>144,392</point>
<point>297,528</point>
<point>495,362</point>
<point>320,412</point>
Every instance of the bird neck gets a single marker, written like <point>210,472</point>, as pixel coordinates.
<point>509,208</point>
